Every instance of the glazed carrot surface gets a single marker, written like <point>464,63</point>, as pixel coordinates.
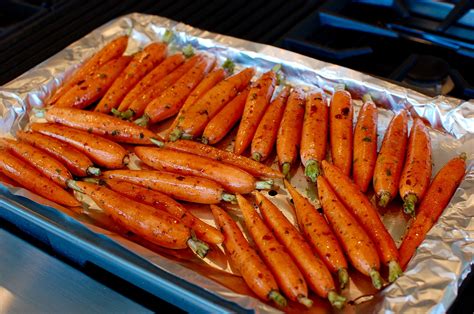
<point>163,202</point>
<point>94,85</point>
<point>437,197</point>
<point>389,164</point>
<point>22,173</point>
<point>365,145</point>
<point>111,51</point>
<point>340,130</point>
<point>101,151</point>
<point>254,271</point>
<point>158,73</point>
<point>225,120</point>
<point>289,132</point>
<point>416,173</point>
<point>314,135</point>
<point>266,133</point>
<point>255,106</point>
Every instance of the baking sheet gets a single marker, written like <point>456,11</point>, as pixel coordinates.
<point>442,261</point>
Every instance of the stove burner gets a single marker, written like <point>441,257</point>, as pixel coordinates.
<point>428,69</point>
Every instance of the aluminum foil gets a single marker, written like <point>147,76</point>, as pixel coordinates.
<point>443,260</point>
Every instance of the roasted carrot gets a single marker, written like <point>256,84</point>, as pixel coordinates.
<point>314,135</point>
<point>152,224</point>
<point>233,179</point>
<point>356,243</point>
<point>254,168</point>
<point>416,173</point>
<point>156,75</point>
<point>286,273</point>
<point>320,236</point>
<point>223,122</point>
<point>94,85</point>
<point>5,179</point>
<point>204,86</point>
<point>266,133</point>
<point>389,164</point>
<point>101,151</point>
<point>142,63</point>
<point>185,188</point>
<point>22,173</point>
<point>289,132</point>
<point>163,202</point>
<point>192,123</point>
<point>111,51</point>
<point>172,99</point>
<point>365,144</point>
<point>257,102</point>
<point>437,197</point>
<point>360,206</point>
<point>139,104</point>
<point>38,159</point>
<point>254,272</point>
<point>101,124</point>
<point>79,164</point>
<point>315,272</point>
<point>340,130</point>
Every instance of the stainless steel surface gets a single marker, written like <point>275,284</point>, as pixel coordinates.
<point>32,281</point>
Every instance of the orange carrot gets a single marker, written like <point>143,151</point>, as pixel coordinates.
<point>390,160</point>
<point>17,170</point>
<point>360,206</point>
<point>101,151</point>
<point>416,174</point>
<point>254,168</point>
<point>223,122</point>
<point>94,85</point>
<point>365,144</point>
<point>233,179</point>
<point>152,224</point>
<point>356,243</point>
<point>185,188</point>
<point>289,132</point>
<point>254,272</point>
<point>204,86</point>
<point>192,123</point>
<point>111,51</point>
<point>266,134</point>
<point>287,274</point>
<point>139,104</point>
<point>38,159</point>
<point>5,179</point>
<point>172,99</point>
<point>142,63</point>
<point>315,134</point>
<point>78,163</point>
<point>156,75</point>
<point>437,197</point>
<point>257,102</point>
<point>340,130</point>
<point>315,272</point>
<point>318,233</point>
<point>99,123</point>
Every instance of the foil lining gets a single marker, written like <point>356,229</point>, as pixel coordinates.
<point>441,263</point>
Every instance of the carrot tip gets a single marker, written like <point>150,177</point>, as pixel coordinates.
<point>409,202</point>
<point>285,169</point>
<point>264,185</point>
<point>256,156</point>
<point>92,180</point>
<point>336,300</point>
<point>157,142</point>
<point>175,135</point>
<point>204,140</point>
<point>276,297</point>
<point>343,276</point>
<point>143,121</point>
<point>463,156</point>
<point>226,197</point>
<point>93,171</point>
<point>187,137</point>
<point>394,271</point>
<point>312,170</point>
<point>376,279</point>
<point>127,114</point>
<point>39,112</point>
<point>339,87</point>
<point>72,185</point>
<point>305,301</point>
<point>367,98</point>
<point>384,199</point>
<point>198,247</point>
